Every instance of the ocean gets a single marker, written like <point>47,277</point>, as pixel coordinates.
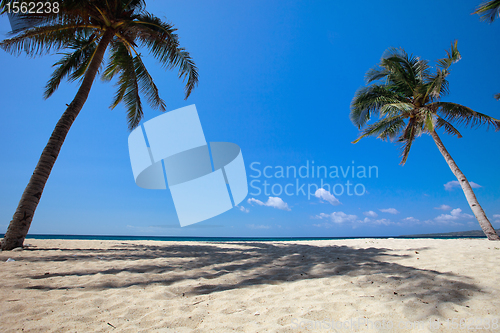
<point>226,239</point>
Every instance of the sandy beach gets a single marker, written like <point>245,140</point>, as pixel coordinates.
<point>359,285</point>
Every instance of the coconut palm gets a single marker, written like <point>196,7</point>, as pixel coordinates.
<point>489,10</point>
<point>406,97</point>
<point>89,28</point>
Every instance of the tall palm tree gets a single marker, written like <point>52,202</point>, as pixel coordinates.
<point>489,10</point>
<point>88,28</point>
<point>406,97</point>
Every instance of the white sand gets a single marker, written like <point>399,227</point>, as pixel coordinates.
<point>148,286</point>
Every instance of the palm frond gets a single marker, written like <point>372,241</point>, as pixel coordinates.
<point>376,73</point>
<point>82,69</point>
<point>407,139</point>
<point>460,114</point>
<point>137,6</point>
<point>42,40</point>
<point>161,40</point>
<point>392,109</point>
<point>122,63</point>
<point>148,87</point>
<point>452,57</point>
<point>489,11</point>
<point>405,71</point>
<point>386,128</point>
<point>72,63</point>
<point>437,85</point>
<point>368,101</point>
<point>448,128</point>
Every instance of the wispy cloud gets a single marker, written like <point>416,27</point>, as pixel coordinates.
<point>243,209</point>
<point>383,222</point>
<point>274,202</point>
<point>327,196</point>
<point>370,213</point>
<point>411,219</point>
<point>454,183</point>
<point>443,207</point>
<point>258,226</point>
<point>389,210</point>
<point>379,221</point>
<point>496,218</point>
<point>338,217</point>
<point>455,215</point>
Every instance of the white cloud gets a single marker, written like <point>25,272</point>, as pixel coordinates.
<point>243,209</point>
<point>370,213</point>
<point>323,225</point>
<point>496,218</point>
<point>411,219</point>
<point>443,207</point>
<point>338,217</point>
<point>274,202</point>
<point>455,214</point>
<point>383,221</point>
<point>389,210</point>
<point>454,183</point>
<point>341,217</point>
<point>259,226</point>
<point>327,196</point>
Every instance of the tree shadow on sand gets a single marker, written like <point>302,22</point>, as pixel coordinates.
<point>225,266</point>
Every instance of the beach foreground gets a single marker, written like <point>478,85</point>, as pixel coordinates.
<point>360,285</point>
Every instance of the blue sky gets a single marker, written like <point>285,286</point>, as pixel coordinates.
<point>276,78</point>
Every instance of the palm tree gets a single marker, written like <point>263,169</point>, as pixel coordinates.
<point>88,28</point>
<point>407,100</point>
<point>489,10</point>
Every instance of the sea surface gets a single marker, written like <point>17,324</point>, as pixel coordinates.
<point>226,239</point>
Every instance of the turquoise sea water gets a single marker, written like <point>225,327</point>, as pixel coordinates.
<point>223,239</point>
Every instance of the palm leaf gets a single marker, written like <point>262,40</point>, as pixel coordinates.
<point>122,63</point>
<point>72,63</point>
<point>368,101</point>
<point>460,114</point>
<point>452,57</point>
<point>386,128</point>
<point>147,85</point>
<point>448,128</point>
<point>400,108</point>
<point>42,40</point>
<point>161,40</point>
<point>407,138</point>
<point>489,11</point>
<point>437,85</point>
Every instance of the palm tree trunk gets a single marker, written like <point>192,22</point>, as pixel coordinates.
<point>21,221</point>
<point>469,193</point>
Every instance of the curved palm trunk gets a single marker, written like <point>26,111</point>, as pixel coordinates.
<point>469,194</point>
<point>21,221</point>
